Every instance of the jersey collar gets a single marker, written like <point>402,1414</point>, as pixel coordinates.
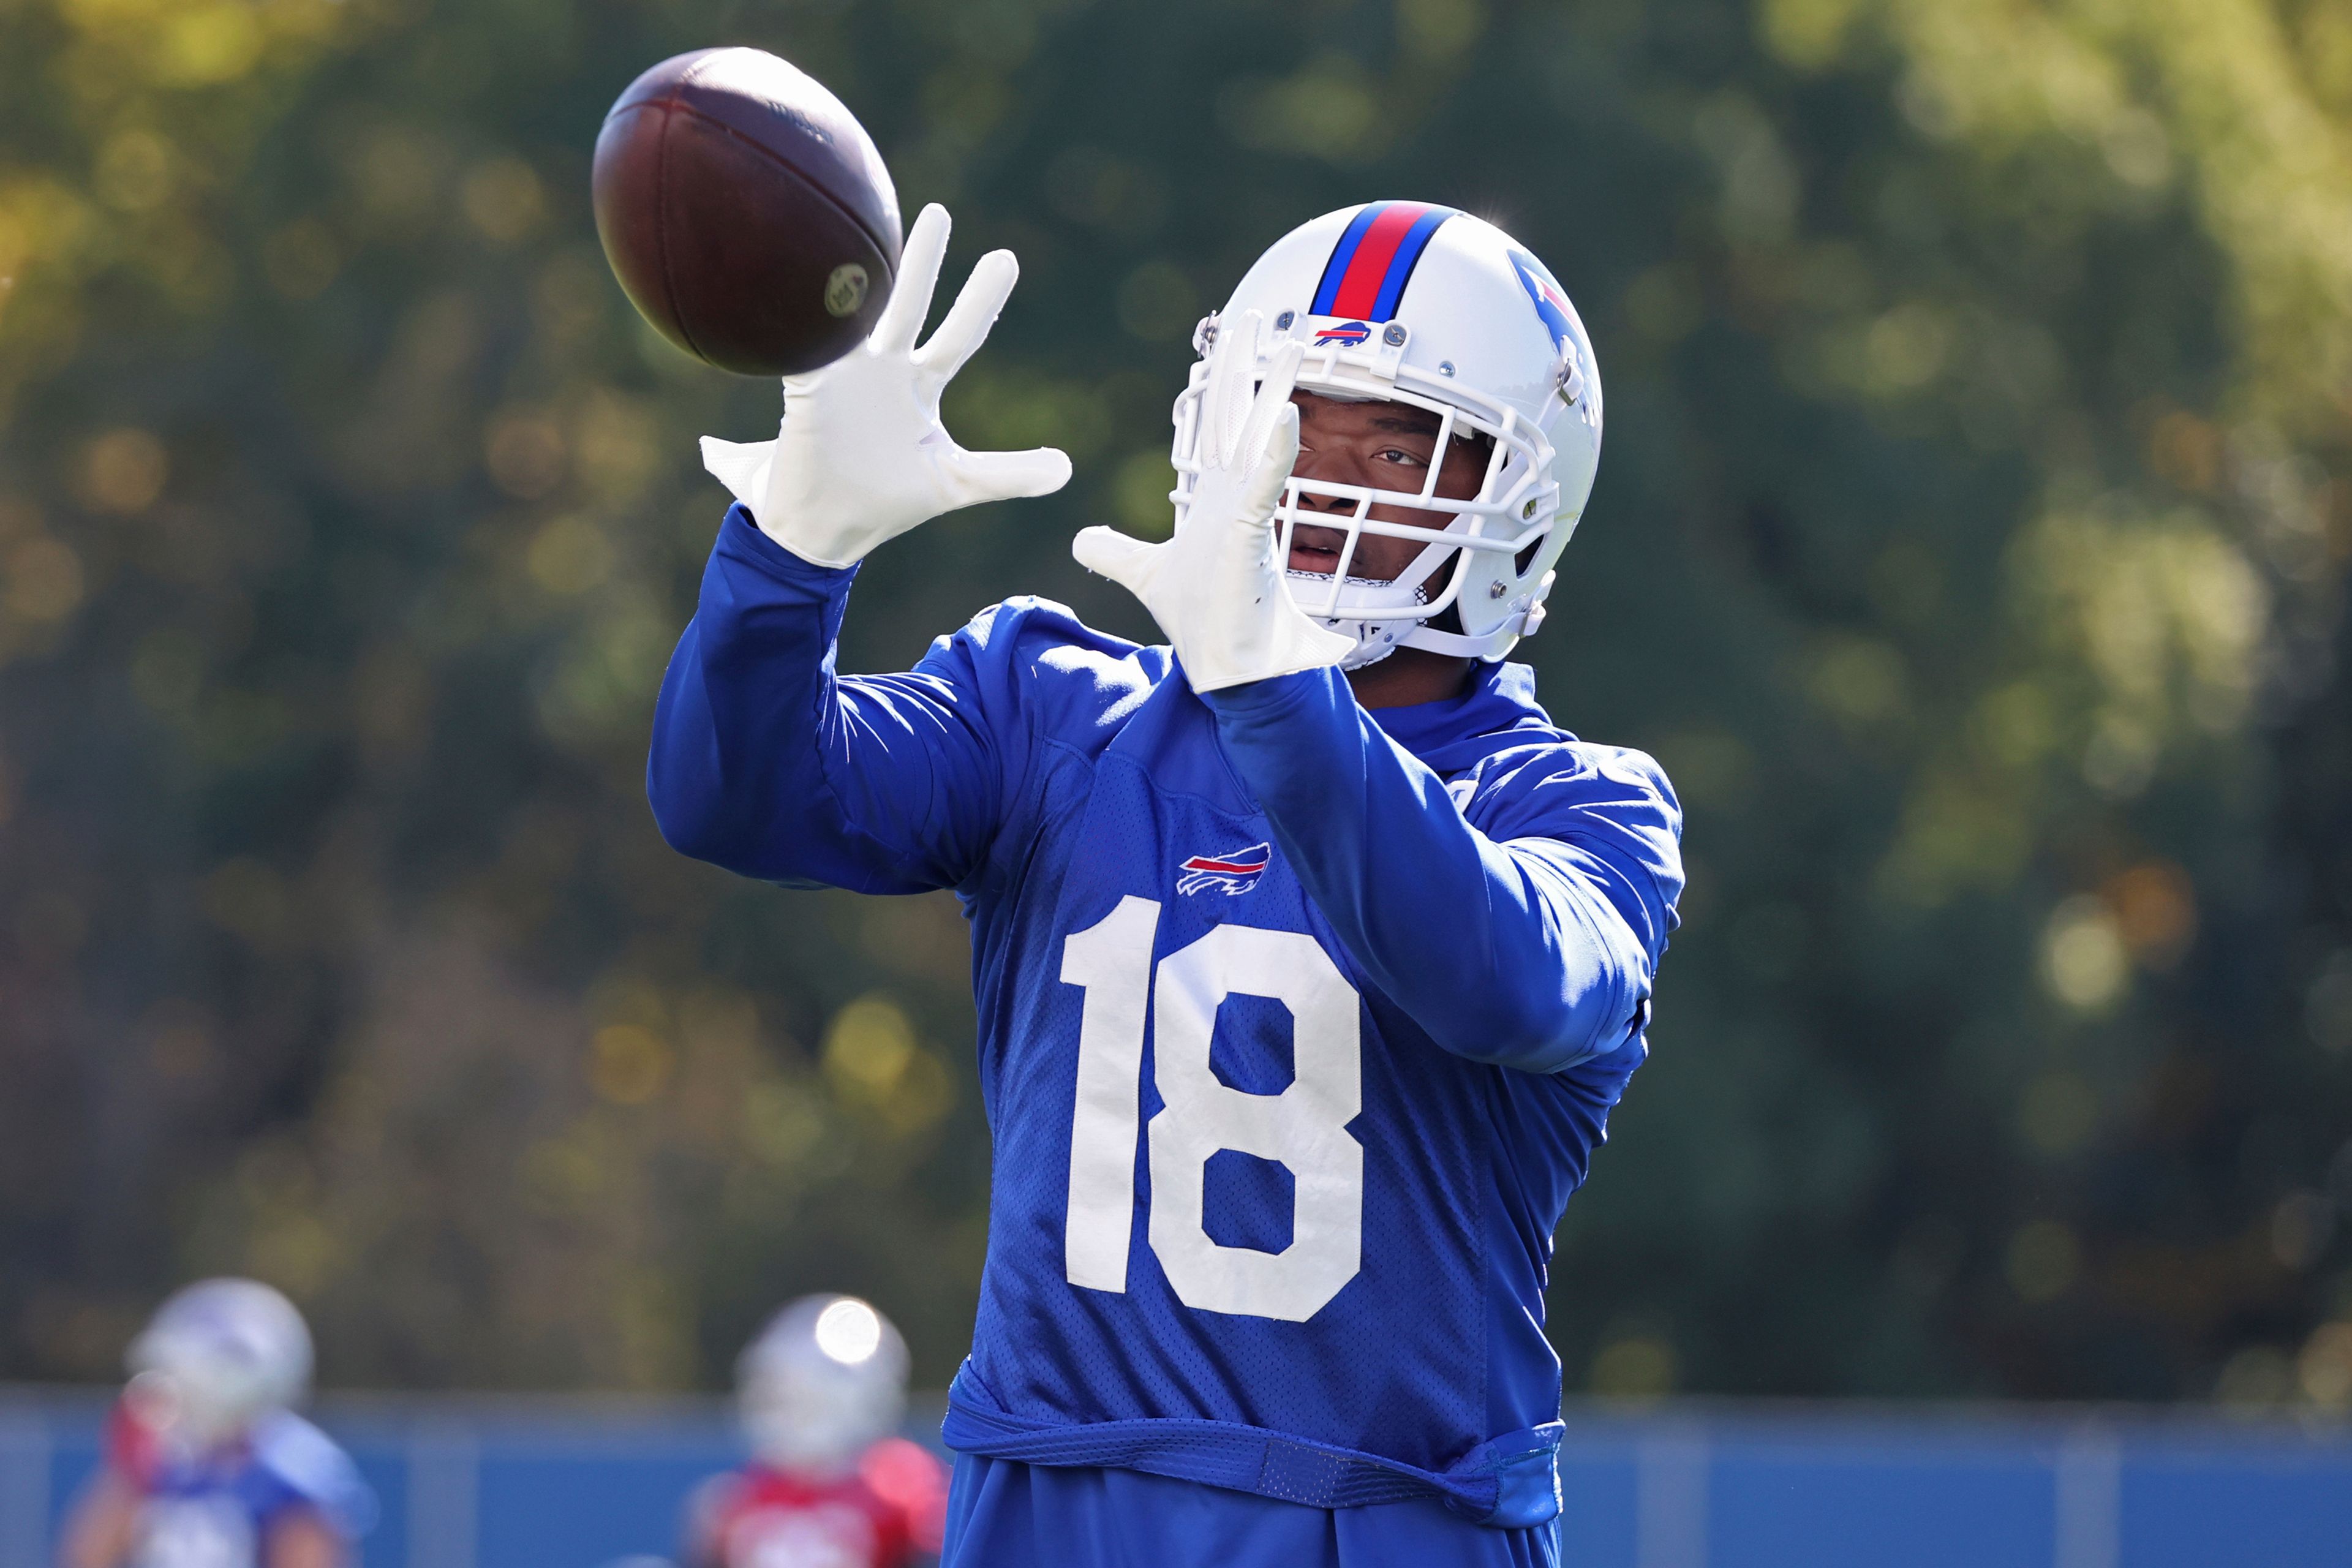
<point>1458,732</point>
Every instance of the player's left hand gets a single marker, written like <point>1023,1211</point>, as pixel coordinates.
<point>1217,588</point>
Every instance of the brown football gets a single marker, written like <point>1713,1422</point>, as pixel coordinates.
<point>745,212</point>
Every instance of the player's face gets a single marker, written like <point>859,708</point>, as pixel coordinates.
<point>1387,445</point>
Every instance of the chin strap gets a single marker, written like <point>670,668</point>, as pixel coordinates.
<point>1494,645</point>
<point>1375,640</point>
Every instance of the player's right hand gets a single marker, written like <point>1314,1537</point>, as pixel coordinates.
<point>862,457</point>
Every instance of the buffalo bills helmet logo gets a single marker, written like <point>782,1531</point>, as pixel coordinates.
<point>1347,334</point>
<point>1233,874</point>
<point>1558,318</point>
<point>1552,303</point>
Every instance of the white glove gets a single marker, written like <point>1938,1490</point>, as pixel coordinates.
<point>1217,588</point>
<point>861,456</point>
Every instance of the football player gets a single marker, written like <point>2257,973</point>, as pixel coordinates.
<point>820,1393</point>
<point>206,1465</point>
<point>1310,955</point>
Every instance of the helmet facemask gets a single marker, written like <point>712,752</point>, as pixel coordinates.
<point>1488,559</point>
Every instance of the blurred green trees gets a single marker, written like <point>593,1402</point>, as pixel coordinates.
<point>1969,544</point>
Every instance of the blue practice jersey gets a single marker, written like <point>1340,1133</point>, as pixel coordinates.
<point>1299,1024</point>
<point>217,1510</point>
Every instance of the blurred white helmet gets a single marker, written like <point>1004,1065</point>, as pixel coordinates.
<point>825,1381</point>
<point>1407,302</point>
<point>219,1355</point>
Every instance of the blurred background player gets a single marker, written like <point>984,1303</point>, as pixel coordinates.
<point>830,1484</point>
<point>206,1465</point>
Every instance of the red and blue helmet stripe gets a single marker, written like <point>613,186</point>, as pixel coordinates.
<point>1374,258</point>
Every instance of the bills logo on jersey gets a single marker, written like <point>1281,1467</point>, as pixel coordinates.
<point>1231,875</point>
<point>1347,334</point>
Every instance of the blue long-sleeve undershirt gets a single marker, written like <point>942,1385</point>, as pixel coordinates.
<point>1505,951</point>
<point>766,763</point>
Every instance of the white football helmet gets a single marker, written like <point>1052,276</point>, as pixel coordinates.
<point>1407,302</point>
<point>218,1357</point>
<point>825,1381</point>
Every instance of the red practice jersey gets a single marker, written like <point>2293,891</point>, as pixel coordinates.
<point>887,1513</point>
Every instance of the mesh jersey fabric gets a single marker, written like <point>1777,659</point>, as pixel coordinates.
<point>1488,894</point>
